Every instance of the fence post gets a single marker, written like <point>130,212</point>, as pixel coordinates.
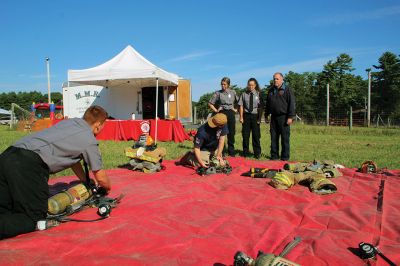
<point>365,112</point>
<point>12,116</point>
<point>327,104</point>
<point>351,118</point>
<point>195,115</point>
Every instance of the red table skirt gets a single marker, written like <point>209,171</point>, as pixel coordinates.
<point>131,130</point>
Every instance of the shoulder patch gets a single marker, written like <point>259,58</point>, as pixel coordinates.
<point>219,131</point>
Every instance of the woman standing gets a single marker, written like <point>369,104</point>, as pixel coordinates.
<point>226,99</point>
<point>250,110</point>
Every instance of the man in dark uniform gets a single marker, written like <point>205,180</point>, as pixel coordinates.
<point>280,103</point>
<point>226,99</point>
<point>250,110</point>
<point>25,168</point>
<point>208,142</point>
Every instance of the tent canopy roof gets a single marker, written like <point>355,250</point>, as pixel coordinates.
<point>125,69</point>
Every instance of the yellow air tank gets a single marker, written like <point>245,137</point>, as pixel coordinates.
<point>59,202</point>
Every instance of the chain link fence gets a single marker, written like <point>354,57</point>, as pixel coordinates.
<point>345,117</point>
<point>336,118</point>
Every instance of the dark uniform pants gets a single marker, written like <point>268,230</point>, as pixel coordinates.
<point>23,191</point>
<point>250,125</point>
<point>230,114</point>
<point>279,128</point>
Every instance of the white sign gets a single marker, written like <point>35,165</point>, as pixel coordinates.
<point>77,99</point>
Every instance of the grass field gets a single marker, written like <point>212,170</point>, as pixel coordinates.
<point>349,148</point>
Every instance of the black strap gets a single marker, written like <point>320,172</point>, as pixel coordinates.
<point>86,172</point>
<point>65,219</point>
<point>251,103</point>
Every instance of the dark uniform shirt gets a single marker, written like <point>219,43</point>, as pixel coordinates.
<point>225,99</point>
<point>244,100</point>
<point>62,145</point>
<point>207,138</point>
<point>280,102</point>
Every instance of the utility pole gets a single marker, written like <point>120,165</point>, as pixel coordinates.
<point>48,79</point>
<point>369,97</point>
<point>351,118</point>
<point>327,104</point>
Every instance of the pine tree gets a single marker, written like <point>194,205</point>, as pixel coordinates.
<point>386,84</point>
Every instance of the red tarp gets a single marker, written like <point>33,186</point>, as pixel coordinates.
<point>176,217</point>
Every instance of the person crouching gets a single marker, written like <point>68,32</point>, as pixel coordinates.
<point>208,142</point>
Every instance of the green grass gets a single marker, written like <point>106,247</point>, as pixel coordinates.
<point>349,148</point>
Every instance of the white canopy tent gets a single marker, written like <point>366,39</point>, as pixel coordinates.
<point>126,69</point>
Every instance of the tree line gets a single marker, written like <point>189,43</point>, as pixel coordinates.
<point>345,88</point>
<point>25,99</point>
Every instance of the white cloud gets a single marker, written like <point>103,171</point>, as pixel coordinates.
<point>190,56</point>
<point>36,76</point>
<point>212,67</point>
<point>350,51</point>
<point>357,16</point>
<point>238,66</point>
<point>8,86</point>
<point>267,72</point>
<point>42,87</point>
<point>204,86</point>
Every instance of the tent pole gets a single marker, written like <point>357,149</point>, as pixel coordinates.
<point>155,134</point>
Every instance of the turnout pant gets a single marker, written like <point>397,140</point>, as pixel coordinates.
<point>250,125</point>
<point>23,191</point>
<point>279,128</point>
<point>230,114</point>
<point>190,159</point>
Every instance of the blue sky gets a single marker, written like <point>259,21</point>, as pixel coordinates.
<point>199,40</point>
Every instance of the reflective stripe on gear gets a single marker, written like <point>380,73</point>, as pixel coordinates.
<point>282,181</point>
<point>150,156</point>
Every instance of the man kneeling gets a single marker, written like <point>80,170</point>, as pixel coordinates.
<point>208,142</point>
<point>26,165</point>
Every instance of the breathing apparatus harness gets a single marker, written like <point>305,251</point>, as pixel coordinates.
<point>261,172</point>
<point>97,199</point>
<point>267,259</point>
<point>368,251</point>
<point>215,168</point>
